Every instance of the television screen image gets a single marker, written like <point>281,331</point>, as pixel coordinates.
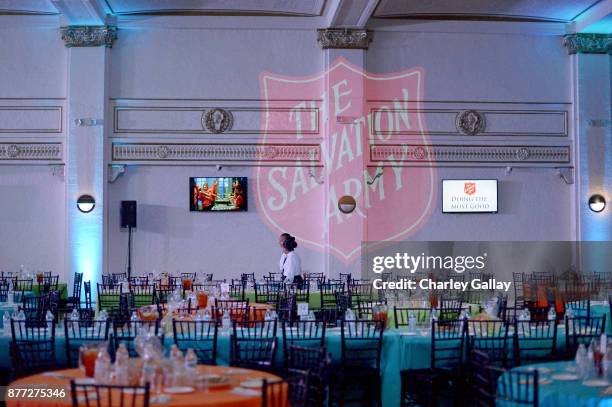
<point>217,194</point>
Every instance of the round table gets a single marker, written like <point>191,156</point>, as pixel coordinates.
<point>213,397</point>
<point>564,393</point>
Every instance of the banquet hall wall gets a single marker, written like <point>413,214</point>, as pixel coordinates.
<point>173,67</point>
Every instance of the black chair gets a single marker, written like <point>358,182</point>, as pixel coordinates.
<point>23,284</point>
<point>534,341</point>
<point>49,283</point>
<point>329,292</point>
<point>268,293</point>
<point>108,296</point>
<point>316,361</point>
<point>292,391</point>
<point>516,387</point>
<point>126,332</point>
<point>32,348</point>
<point>4,289</point>
<point>287,307</point>
<point>365,309</point>
<point>309,334</point>
<point>118,277</point>
<point>582,330</point>
<point>73,301</point>
<point>361,292</point>
<point>191,276</point>
<point>236,290</point>
<point>253,346</point>
<point>201,336</point>
<point>483,381</point>
<point>489,337</point>
<point>359,368</point>
<point>87,292</point>
<point>246,278</point>
<point>238,310</point>
<point>425,385</point>
<point>143,294</point>
<point>105,395</point>
<point>35,309</point>
<point>79,332</point>
<point>402,316</point>
<point>580,308</point>
<point>301,292</point>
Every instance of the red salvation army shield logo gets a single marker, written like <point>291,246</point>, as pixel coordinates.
<point>344,132</point>
<point>469,188</point>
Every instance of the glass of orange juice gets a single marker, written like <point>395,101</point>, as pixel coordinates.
<point>202,298</point>
<point>187,284</point>
<point>88,352</point>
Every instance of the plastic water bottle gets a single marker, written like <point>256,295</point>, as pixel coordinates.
<point>349,316</point>
<point>102,369</point>
<point>49,318</point>
<point>74,315</point>
<point>199,316</point>
<point>120,370</point>
<point>191,363</point>
<point>6,323</point>
<point>19,316</point>
<point>103,316</point>
<point>226,322</point>
<point>10,295</point>
<point>412,322</point>
<point>569,312</point>
<point>134,317</point>
<point>178,365</point>
<point>525,315</point>
<point>552,315</point>
<point>206,315</point>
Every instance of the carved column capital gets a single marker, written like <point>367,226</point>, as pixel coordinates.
<point>344,38</point>
<point>89,35</point>
<point>588,43</point>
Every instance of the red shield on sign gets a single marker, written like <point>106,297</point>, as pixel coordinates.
<point>344,132</point>
<point>469,188</point>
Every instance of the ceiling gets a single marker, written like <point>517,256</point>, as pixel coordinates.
<point>332,13</point>
<point>537,10</point>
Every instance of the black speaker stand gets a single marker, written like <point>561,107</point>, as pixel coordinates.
<point>129,268</point>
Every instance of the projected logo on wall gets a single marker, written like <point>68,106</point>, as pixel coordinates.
<point>217,194</point>
<point>362,123</point>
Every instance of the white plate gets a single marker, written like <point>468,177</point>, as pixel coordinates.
<point>179,390</point>
<point>85,380</point>
<point>408,333</point>
<point>245,392</point>
<point>236,371</point>
<point>596,383</point>
<point>252,384</point>
<point>541,370</point>
<point>134,391</point>
<point>565,377</point>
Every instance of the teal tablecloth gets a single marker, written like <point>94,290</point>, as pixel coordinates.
<point>566,393</point>
<point>597,310</point>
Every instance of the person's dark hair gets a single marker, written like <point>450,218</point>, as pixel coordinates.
<point>289,243</point>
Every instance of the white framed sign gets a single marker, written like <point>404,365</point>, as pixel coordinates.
<point>302,309</point>
<point>469,196</point>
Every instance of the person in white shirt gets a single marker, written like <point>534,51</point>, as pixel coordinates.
<point>290,263</point>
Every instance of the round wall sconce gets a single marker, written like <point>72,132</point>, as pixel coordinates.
<point>347,204</point>
<point>597,203</point>
<point>86,203</point>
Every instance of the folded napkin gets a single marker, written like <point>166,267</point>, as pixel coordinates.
<point>241,391</point>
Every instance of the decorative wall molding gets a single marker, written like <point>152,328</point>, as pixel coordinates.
<point>31,119</point>
<point>502,154</point>
<point>470,122</point>
<point>216,152</point>
<point>566,174</point>
<point>31,151</point>
<point>344,38</point>
<point>88,35</point>
<point>218,120</point>
<point>588,43</point>
<point>115,171</point>
<point>193,120</point>
<point>57,170</point>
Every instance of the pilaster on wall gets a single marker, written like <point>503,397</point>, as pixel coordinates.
<point>591,56</point>
<point>88,57</point>
<point>345,109</point>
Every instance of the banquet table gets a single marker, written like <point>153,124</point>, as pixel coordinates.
<point>565,393</point>
<point>225,396</point>
<point>600,308</point>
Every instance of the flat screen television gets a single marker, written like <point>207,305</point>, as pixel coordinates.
<point>218,194</point>
<point>469,196</point>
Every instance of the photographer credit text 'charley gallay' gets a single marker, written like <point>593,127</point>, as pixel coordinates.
<point>405,262</point>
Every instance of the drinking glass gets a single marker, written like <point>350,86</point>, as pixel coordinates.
<point>88,353</point>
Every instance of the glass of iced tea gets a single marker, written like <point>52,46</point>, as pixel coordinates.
<point>88,352</point>
<point>187,284</point>
<point>379,313</point>
<point>202,298</point>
